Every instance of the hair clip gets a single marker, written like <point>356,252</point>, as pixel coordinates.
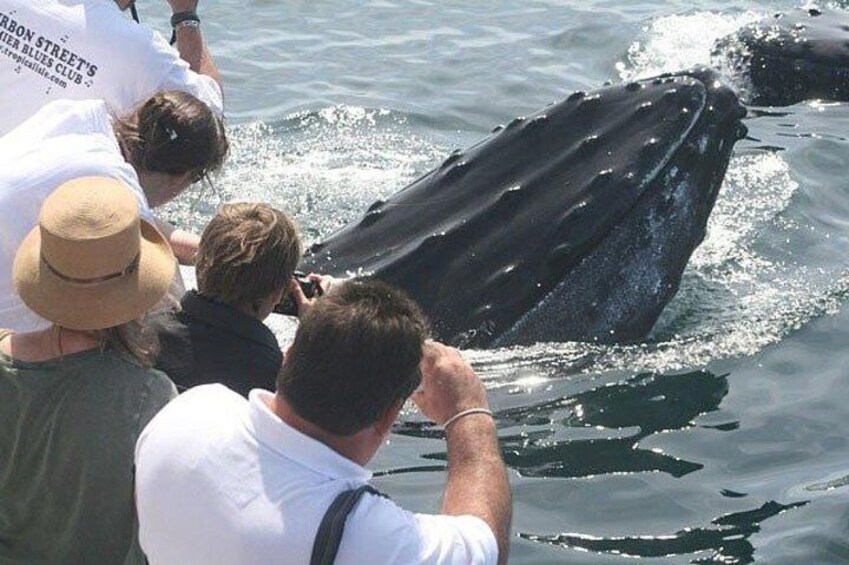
<point>172,133</point>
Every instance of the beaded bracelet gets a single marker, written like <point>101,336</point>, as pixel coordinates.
<point>464,413</point>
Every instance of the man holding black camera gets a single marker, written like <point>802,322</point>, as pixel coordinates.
<point>245,269</point>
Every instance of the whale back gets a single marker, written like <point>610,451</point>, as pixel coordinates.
<point>790,57</point>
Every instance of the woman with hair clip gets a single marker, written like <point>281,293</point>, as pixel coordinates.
<point>169,142</point>
<point>75,396</point>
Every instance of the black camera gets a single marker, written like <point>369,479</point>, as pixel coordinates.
<point>288,306</point>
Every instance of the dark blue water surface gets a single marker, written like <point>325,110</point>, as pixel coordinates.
<point>723,437</point>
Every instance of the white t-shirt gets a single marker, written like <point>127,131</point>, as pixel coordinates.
<point>83,49</point>
<point>222,480</point>
<point>64,140</point>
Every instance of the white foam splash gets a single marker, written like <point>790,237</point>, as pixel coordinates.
<point>679,42</point>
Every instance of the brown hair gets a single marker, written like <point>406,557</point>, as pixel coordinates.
<point>246,252</point>
<point>174,133</point>
<point>356,354</point>
<point>136,339</point>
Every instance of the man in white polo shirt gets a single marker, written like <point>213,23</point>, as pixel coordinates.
<point>83,49</point>
<point>273,479</point>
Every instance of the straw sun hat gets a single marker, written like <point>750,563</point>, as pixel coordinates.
<point>92,263</point>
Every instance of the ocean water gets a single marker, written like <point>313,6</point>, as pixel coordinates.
<point>720,439</point>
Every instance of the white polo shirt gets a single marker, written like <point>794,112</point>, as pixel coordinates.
<point>221,479</point>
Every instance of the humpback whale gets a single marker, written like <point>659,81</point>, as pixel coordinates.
<point>791,57</point>
<point>572,224</point>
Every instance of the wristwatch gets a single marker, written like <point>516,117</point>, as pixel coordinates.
<point>183,19</point>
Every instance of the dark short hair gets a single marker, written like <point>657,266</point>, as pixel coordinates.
<point>246,252</point>
<point>356,354</point>
<point>173,132</point>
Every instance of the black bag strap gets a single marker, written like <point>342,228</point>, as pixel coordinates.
<point>329,535</point>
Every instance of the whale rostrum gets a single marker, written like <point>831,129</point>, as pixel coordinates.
<point>573,224</point>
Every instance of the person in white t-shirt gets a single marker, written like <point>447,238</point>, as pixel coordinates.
<point>82,49</point>
<point>223,480</point>
<point>172,140</point>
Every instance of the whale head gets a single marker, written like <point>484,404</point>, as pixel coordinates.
<point>574,223</point>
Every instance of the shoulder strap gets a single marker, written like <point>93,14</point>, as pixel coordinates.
<point>329,535</point>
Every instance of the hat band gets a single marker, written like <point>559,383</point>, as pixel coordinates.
<point>96,280</point>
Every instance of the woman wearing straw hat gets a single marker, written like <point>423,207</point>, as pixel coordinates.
<point>170,141</point>
<point>74,397</point>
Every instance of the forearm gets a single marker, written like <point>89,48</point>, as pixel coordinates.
<point>193,50</point>
<point>184,244</point>
<point>477,479</point>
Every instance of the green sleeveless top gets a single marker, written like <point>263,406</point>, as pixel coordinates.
<point>68,429</point>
